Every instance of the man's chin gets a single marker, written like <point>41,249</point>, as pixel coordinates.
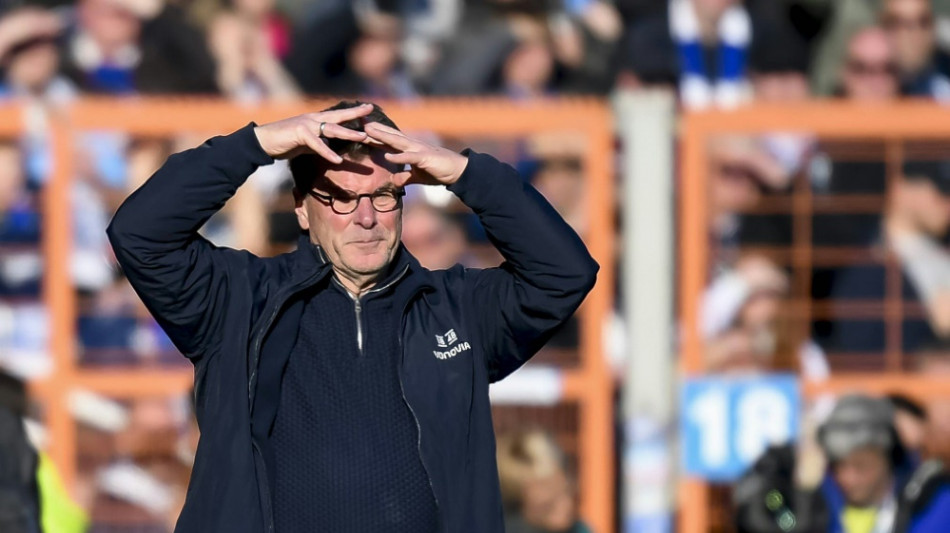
<point>369,264</point>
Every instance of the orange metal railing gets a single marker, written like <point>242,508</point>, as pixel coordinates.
<point>589,385</point>
<point>893,124</point>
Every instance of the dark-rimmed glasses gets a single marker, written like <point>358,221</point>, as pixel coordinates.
<point>346,202</point>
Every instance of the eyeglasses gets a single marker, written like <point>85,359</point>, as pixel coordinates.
<point>867,68</point>
<point>893,22</point>
<point>347,202</point>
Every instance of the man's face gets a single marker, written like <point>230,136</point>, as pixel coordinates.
<point>870,70</point>
<point>361,243</point>
<point>864,476</point>
<point>911,28</point>
<point>109,23</point>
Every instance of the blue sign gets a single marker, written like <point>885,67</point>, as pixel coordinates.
<point>727,422</point>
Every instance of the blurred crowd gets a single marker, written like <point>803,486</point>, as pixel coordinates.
<point>762,311</point>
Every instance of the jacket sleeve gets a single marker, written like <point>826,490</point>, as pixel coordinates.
<point>547,270</point>
<point>181,277</point>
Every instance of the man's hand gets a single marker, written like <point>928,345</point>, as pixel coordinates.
<point>301,134</point>
<point>429,165</point>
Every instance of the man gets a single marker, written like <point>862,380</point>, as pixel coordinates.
<point>866,464</point>
<point>910,25</point>
<point>869,72</point>
<point>342,387</point>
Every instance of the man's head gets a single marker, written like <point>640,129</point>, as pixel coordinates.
<point>860,442</point>
<point>362,243</point>
<point>112,24</point>
<point>869,72</point>
<point>910,24</point>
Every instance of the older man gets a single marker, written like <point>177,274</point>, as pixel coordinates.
<point>343,387</point>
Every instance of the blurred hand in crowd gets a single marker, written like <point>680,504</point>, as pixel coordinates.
<point>917,206</point>
<point>740,169</point>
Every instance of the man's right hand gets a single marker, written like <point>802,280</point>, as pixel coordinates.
<point>301,134</point>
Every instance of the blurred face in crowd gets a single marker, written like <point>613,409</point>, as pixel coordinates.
<point>33,67</point>
<point>548,502</point>
<point>864,476</point>
<point>374,57</point>
<point>921,203</point>
<point>109,24</point>
<point>910,25</point>
<point>431,238</point>
<point>562,184</point>
<point>529,67</point>
<point>361,243</point>
<point>870,70</point>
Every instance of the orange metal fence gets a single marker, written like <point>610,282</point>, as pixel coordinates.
<point>588,386</point>
<point>890,124</point>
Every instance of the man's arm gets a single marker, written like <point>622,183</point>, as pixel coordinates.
<point>547,270</point>
<point>177,273</point>
<point>182,278</point>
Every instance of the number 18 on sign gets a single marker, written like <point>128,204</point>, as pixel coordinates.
<point>727,422</point>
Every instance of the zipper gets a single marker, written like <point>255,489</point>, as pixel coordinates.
<point>358,307</point>
<point>415,419</point>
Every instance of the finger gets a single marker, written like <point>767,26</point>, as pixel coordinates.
<point>389,136</point>
<point>402,178</point>
<point>404,158</point>
<point>315,143</point>
<point>342,115</point>
<point>339,132</point>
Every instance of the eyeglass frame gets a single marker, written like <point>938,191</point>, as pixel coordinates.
<point>330,200</point>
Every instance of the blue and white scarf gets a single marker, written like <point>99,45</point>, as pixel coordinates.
<point>698,87</point>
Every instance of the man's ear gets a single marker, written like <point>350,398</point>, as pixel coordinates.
<point>300,209</point>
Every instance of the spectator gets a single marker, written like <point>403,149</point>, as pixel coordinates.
<point>537,493</point>
<point>528,70</point>
<point>910,24</point>
<point>770,498</point>
<point>29,56</point>
<point>925,500</point>
<point>870,72</point>
<point>584,43</point>
<point>913,227</point>
<point>746,328</point>
<point>867,464</point>
<point>249,40</point>
<point>740,171</point>
<point>916,225</point>
<point>124,46</point>
<point>375,68</point>
<point>676,48</point>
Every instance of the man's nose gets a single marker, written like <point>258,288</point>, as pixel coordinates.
<point>365,213</point>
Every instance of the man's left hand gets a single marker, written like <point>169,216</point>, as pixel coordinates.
<point>429,165</point>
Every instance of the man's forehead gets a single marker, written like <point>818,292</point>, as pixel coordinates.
<point>365,174</point>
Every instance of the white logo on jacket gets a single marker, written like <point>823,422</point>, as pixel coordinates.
<point>448,339</point>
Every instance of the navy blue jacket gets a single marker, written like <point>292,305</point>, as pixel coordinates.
<point>235,316</point>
